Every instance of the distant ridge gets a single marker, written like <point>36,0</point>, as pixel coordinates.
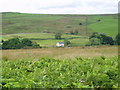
<point>16,22</point>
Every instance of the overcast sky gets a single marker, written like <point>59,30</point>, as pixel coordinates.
<point>60,6</point>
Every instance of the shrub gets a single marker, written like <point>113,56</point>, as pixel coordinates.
<point>94,35</point>
<point>26,42</point>
<point>58,36</point>
<point>13,43</point>
<point>80,24</point>
<point>16,43</point>
<point>104,39</point>
<point>35,45</point>
<point>95,41</point>
<point>107,40</point>
<point>67,43</point>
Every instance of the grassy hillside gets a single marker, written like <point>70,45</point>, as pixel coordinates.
<point>29,23</point>
<point>107,24</point>
<point>37,23</point>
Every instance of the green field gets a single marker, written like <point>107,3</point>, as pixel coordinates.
<point>48,39</point>
<point>37,36</point>
<point>107,25</point>
<point>36,23</point>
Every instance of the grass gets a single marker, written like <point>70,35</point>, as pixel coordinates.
<point>48,37</point>
<point>79,42</point>
<point>29,23</point>
<point>37,35</point>
<point>48,43</point>
<point>37,23</point>
<point>29,35</point>
<point>74,42</point>
<point>107,25</point>
<point>85,52</point>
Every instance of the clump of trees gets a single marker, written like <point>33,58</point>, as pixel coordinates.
<point>58,36</point>
<point>80,24</point>
<point>95,41</point>
<point>67,43</point>
<point>16,43</point>
<point>99,20</point>
<point>74,32</point>
<point>100,39</point>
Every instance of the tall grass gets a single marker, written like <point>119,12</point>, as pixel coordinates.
<point>71,52</point>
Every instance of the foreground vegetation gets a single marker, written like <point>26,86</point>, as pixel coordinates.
<point>99,72</point>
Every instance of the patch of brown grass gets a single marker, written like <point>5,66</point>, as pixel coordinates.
<point>63,53</point>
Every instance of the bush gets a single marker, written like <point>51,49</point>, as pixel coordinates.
<point>58,36</point>
<point>107,40</point>
<point>103,39</point>
<point>26,42</point>
<point>95,41</point>
<point>67,43</point>
<point>16,43</point>
<point>35,45</point>
<point>12,44</point>
<point>80,24</point>
<point>94,35</point>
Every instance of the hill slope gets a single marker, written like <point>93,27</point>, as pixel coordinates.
<point>104,24</point>
<point>37,23</point>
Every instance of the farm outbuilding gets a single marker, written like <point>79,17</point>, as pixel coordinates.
<point>60,44</point>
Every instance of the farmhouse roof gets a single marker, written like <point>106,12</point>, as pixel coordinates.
<point>60,42</point>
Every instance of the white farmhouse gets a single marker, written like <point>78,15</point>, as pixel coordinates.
<point>60,44</point>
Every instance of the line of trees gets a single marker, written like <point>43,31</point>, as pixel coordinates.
<point>67,43</point>
<point>16,43</point>
<point>58,36</point>
<point>102,39</point>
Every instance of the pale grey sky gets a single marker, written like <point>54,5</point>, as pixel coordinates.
<point>60,6</point>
